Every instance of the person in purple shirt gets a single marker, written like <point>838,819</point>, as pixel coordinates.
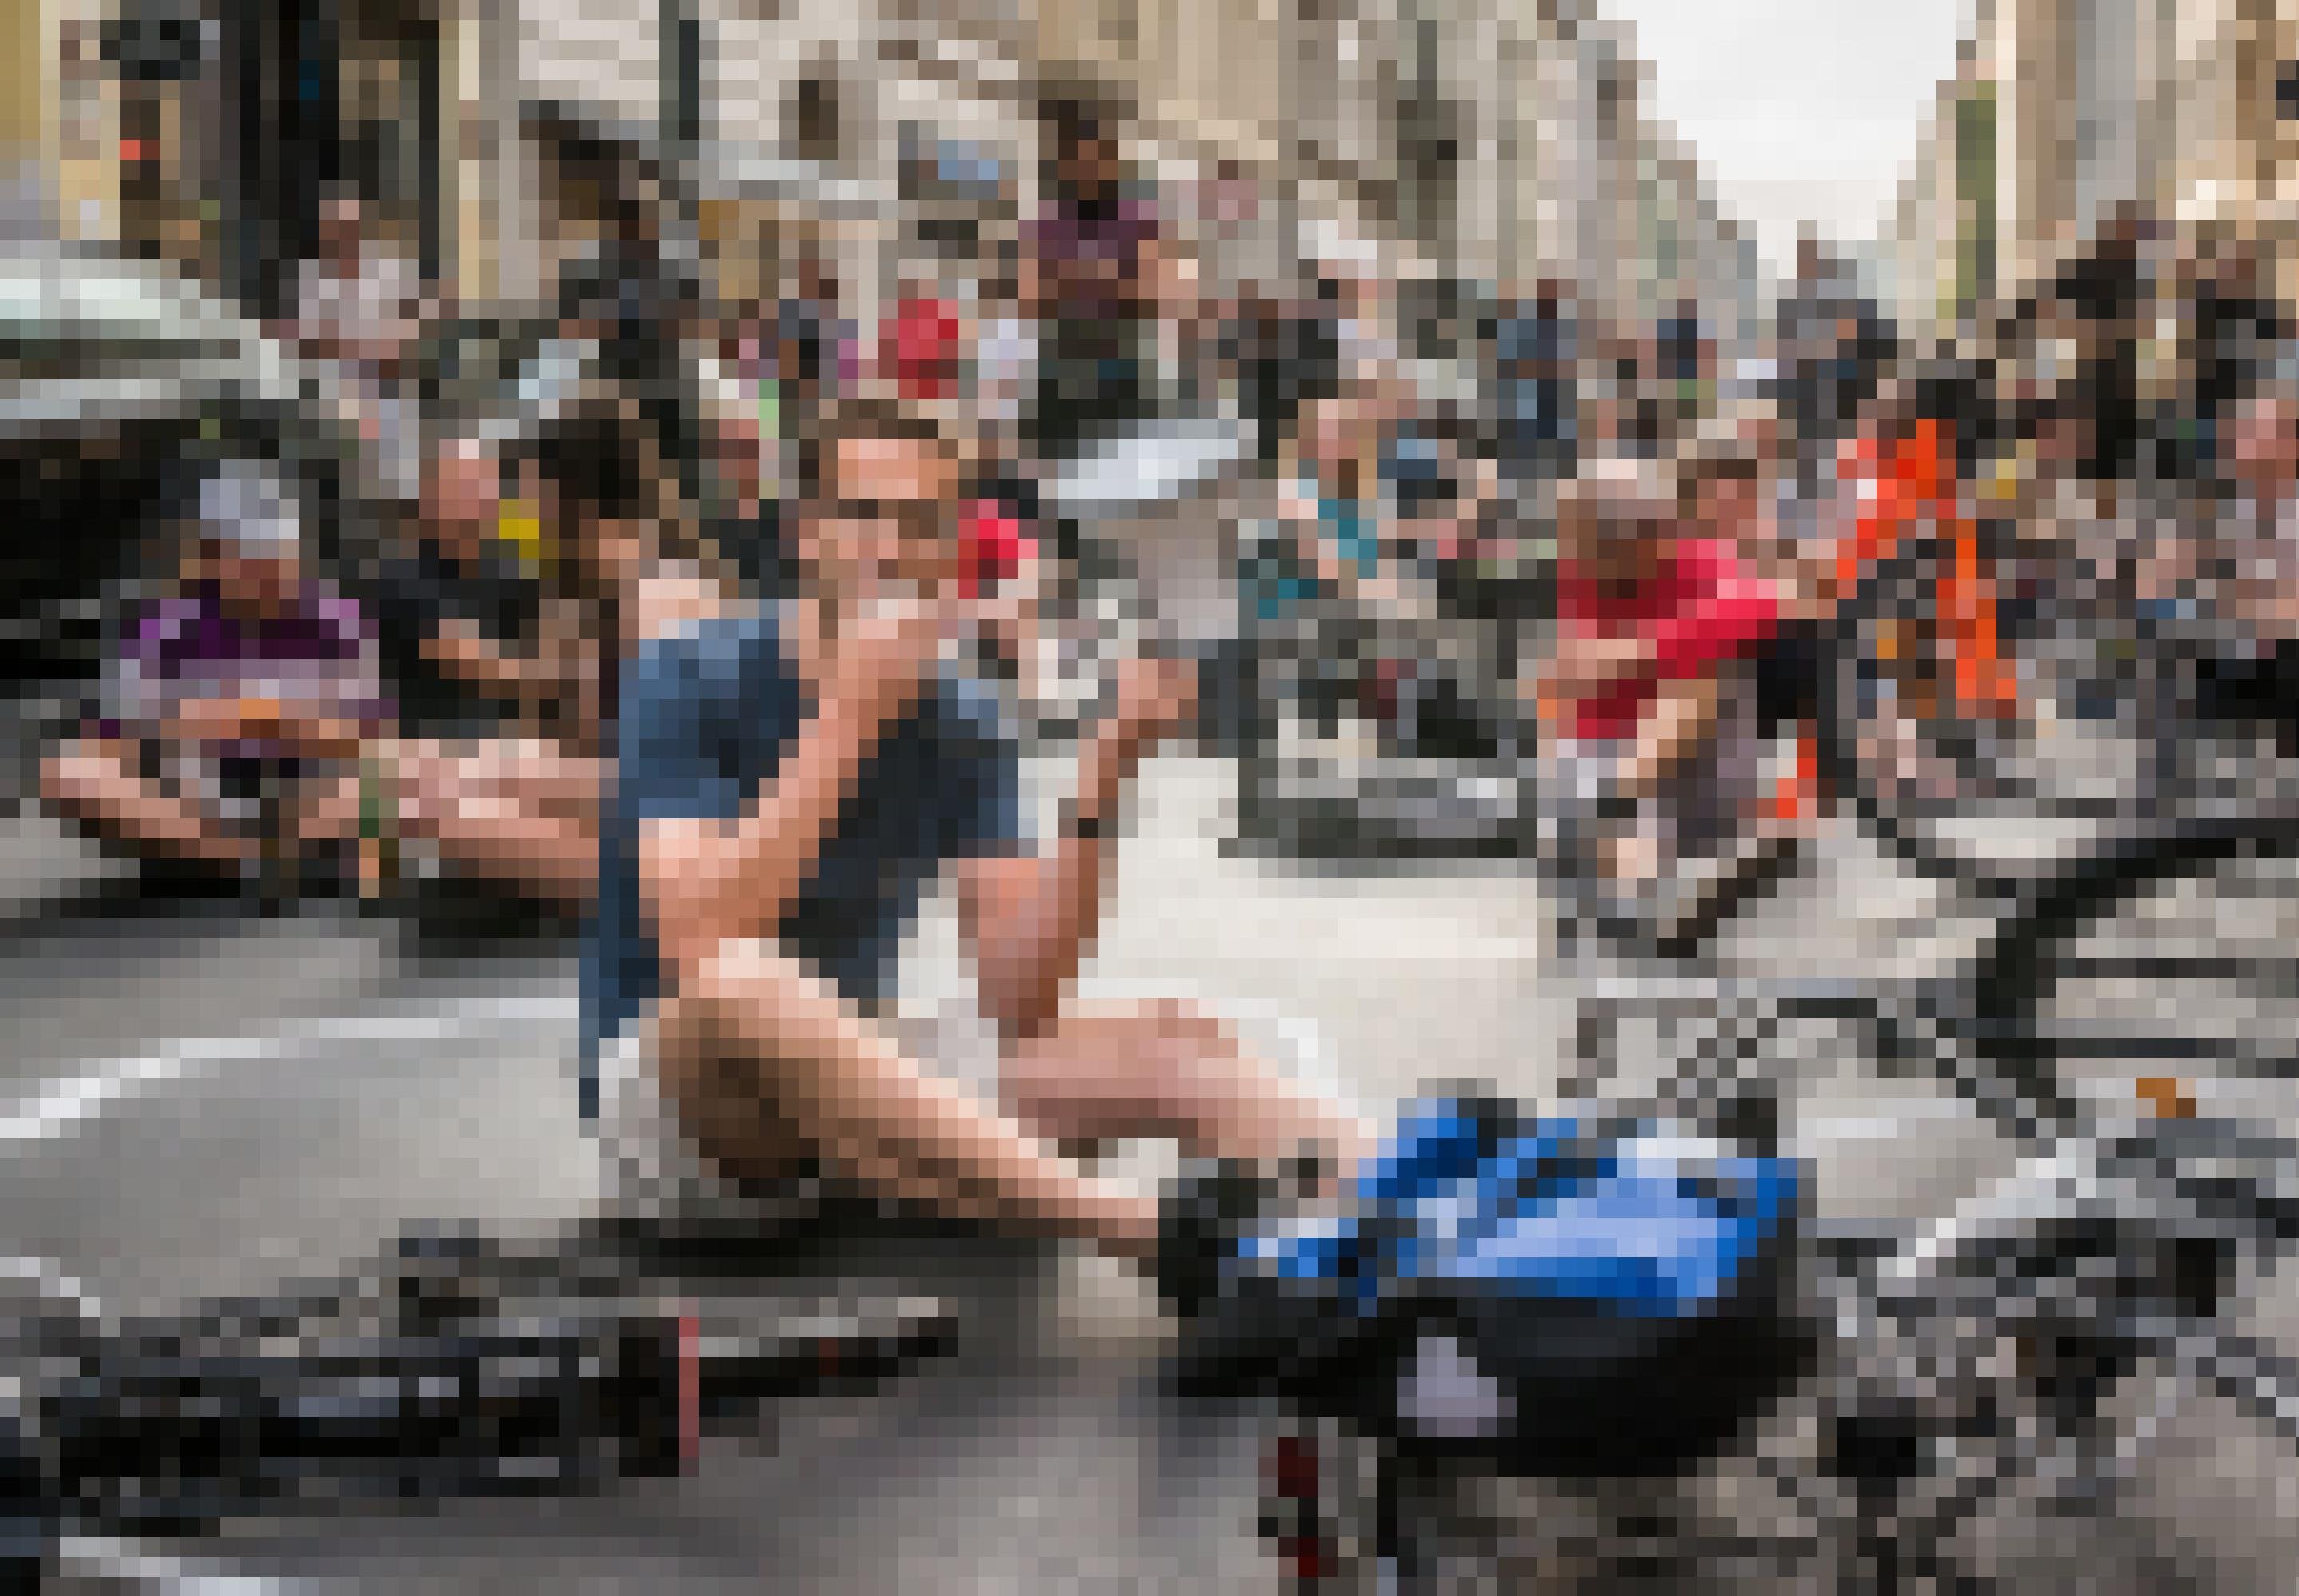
<point>230,725</point>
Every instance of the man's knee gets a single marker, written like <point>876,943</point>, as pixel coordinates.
<point>739,980</point>
<point>1185,1024</point>
<point>1163,1026</point>
<point>719,1068</point>
<point>716,1001</point>
<point>1126,1060</point>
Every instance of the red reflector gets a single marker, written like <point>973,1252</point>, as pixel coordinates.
<point>1293,1466</point>
<point>690,1387</point>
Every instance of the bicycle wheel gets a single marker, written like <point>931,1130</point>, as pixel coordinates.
<point>1992,795</point>
<point>2167,956</point>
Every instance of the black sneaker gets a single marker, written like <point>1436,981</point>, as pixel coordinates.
<point>1210,1207</point>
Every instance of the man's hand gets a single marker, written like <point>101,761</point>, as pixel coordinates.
<point>881,664</point>
<point>1155,699</point>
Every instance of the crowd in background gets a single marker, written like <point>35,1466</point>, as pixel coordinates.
<point>1612,554</point>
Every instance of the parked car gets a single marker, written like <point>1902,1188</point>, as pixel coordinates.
<point>121,383</point>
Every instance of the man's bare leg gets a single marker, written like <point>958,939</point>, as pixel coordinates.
<point>764,1063</point>
<point>1679,724</point>
<point>94,783</point>
<point>1169,1069</point>
<point>518,811</point>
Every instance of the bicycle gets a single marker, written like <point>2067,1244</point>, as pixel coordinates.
<point>1986,681</point>
<point>1985,1369</point>
<point>457,1365</point>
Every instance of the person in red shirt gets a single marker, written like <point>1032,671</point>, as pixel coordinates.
<point>1654,629</point>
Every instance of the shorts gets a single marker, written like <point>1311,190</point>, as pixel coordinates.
<point>647,1164</point>
<point>650,1166</point>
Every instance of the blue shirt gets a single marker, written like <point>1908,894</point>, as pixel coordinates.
<point>1355,540</point>
<point>706,718</point>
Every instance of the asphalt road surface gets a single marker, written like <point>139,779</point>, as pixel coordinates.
<point>198,1102</point>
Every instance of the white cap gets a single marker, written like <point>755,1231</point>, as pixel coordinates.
<point>250,509</point>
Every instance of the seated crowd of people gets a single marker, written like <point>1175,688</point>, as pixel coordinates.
<point>447,701</point>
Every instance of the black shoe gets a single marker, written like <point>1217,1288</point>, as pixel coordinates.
<point>28,1511</point>
<point>1210,1208</point>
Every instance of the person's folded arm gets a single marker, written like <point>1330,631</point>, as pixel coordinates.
<point>334,733</point>
<point>531,679</point>
<point>703,880</point>
<point>460,650</point>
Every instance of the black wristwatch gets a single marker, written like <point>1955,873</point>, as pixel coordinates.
<point>1083,828</point>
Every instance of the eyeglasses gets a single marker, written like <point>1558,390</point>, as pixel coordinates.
<point>920,519</point>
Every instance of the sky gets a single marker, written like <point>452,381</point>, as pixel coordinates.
<point>1802,110</point>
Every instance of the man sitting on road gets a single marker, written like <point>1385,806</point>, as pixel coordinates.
<point>788,785</point>
<point>230,724</point>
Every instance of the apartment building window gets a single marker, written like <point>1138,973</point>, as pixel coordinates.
<point>1430,126</point>
<point>816,114</point>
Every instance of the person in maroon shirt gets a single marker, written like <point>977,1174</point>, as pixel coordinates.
<point>221,730</point>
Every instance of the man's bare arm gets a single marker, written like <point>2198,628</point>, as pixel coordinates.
<point>1029,921</point>
<point>314,733</point>
<point>462,652</point>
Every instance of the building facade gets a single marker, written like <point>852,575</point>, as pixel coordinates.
<point>2065,112</point>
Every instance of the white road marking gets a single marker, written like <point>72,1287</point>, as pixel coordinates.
<point>113,1562</point>
<point>67,1106</point>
